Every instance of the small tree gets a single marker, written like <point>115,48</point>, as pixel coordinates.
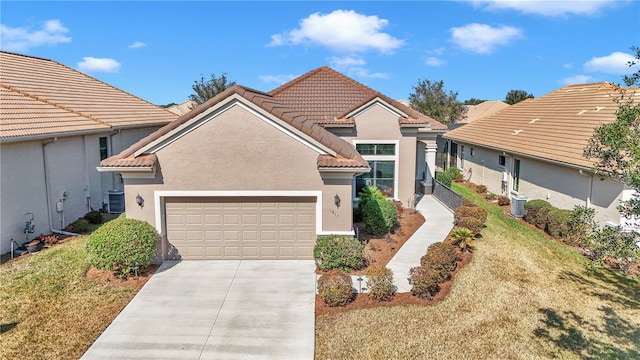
<point>206,89</point>
<point>515,96</point>
<point>431,99</point>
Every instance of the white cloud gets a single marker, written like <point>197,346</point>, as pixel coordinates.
<point>137,45</point>
<point>578,79</point>
<point>341,30</point>
<point>614,63</point>
<point>277,79</point>
<point>434,61</point>
<point>365,73</point>
<point>548,7</point>
<point>22,39</point>
<point>343,62</point>
<point>98,64</point>
<point>482,38</point>
<point>354,66</point>
<point>567,66</point>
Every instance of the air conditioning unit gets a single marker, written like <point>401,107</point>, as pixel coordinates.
<point>517,206</point>
<point>114,199</point>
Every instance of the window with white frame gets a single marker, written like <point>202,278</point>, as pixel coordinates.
<point>382,158</point>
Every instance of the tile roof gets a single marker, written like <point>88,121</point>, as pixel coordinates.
<point>30,81</point>
<point>326,97</point>
<point>346,155</point>
<point>483,109</point>
<point>554,127</point>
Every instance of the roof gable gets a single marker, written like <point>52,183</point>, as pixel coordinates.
<point>554,127</point>
<point>333,151</point>
<point>69,90</point>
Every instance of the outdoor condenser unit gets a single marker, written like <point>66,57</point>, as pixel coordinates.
<point>517,206</point>
<point>115,201</point>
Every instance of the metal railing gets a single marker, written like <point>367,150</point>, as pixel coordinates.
<point>446,195</point>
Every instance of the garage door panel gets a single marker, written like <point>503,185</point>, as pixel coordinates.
<point>234,228</point>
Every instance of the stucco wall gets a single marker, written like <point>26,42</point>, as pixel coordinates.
<point>237,151</point>
<point>562,186</point>
<point>378,124</point>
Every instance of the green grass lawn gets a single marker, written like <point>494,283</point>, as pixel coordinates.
<point>523,296</point>
<point>48,310</point>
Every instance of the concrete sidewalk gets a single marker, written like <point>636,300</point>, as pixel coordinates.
<point>438,223</point>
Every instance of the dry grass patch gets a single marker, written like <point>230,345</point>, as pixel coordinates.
<point>49,310</point>
<point>522,296</point>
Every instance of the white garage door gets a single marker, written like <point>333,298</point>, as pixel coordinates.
<point>240,228</point>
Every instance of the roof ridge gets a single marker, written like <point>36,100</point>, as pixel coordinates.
<point>332,72</point>
<point>49,102</point>
<point>87,75</point>
<point>294,81</point>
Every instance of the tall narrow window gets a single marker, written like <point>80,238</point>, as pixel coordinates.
<point>104,148</point>
<point>502,160</point>
<point>516,174</point>
<point>382,160</point>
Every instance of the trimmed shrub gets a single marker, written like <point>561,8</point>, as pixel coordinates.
<point>458,178</point>
<point>335,288</point>
<point>380,214</point>
<point>471,223</point>
<point>367,194</point>
<point>490,196</point>
<point>533,207</point>
<point>380,283</point>
<point>462,238</point>
<point>445,178</point>
<point>441,257</point>
<point>424,282</point>
<point>453,171</point>
<point>557,223</point>
<point>79,226</point>
<point>470,211</point>
<point>481,188</point>
<point>93,217</point>
<point>542,217</point>
<point>122,245</point>
<point>503,201</point>
<point>338,252</point>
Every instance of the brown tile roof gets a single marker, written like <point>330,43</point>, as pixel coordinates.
<point>84,98</point>
<point>554,127</point>
<point>483,109</point>
<point>346,154</point>
<point>326,97</point>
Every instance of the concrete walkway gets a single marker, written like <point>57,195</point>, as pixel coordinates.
<point>217,309</point>
<point>438,223</point>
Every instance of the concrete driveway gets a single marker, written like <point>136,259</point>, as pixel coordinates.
<point>217,309</point>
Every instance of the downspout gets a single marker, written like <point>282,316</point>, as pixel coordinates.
<point>47,191</point>
<point>589,193</point>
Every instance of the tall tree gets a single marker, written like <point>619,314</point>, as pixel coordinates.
<point>615,147</point>
<point>473,101</point>
<point>206,89</point>
<point>431,99</point>
<point>515,96</point>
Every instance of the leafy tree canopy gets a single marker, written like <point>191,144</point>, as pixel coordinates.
<point>204,89</point>
<point>431,99</point>
<point>515,96</point>
<point>473,101</point>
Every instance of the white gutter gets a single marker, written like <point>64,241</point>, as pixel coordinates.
<point>47,191</point>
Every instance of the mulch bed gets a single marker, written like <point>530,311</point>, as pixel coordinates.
<point>108,278</point>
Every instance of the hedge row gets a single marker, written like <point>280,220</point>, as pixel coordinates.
<point>435,268</point>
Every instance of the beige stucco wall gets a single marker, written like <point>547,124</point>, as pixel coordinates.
<point>562,186</point>
<point>376,123</point>
<point>237,151</point>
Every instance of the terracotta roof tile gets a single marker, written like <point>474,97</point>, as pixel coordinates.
<point>347,156</point>
<point>84,97</point>
<point>555,127</point>
<point>326,97</point>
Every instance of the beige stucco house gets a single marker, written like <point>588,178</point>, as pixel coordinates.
<point>260,175</point>
<point>56,125</point>
<point>534,149</point>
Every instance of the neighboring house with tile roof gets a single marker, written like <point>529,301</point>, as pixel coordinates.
<point>535,149</point>
<point>56,125</point>
<point>250,174</point>
<point>485,108</point>
<point>183,107</point>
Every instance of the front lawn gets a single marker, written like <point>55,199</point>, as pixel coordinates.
<point>522,296</point>
<point>49,309</point>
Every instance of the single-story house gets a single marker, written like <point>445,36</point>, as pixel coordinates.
<point>485,108</point>
<point>250,174</point>
<point>56,125</point>
<point>534,150</point>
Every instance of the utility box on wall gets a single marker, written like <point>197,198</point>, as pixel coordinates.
<point>114,201</point>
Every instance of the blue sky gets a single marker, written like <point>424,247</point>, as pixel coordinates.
<point>480,49</point>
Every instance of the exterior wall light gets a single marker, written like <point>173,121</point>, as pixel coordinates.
<point>336,200</point>
<point>140,201</point>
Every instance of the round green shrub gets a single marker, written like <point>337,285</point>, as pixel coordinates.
<point>558,223</point>
<point>533,207</point>
<point>79,226</point>
<point>380,216</point>
<point>445,178</point>
<point>380,283</point>
<point>424,281</point>
<point>471,223</point>
<point>335,288</point>
<point>339,252</point>
<point>122,245</point>
<point>93,217</point>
